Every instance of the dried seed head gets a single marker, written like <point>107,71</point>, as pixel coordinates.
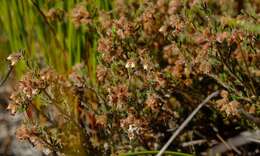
<point>205,67</point>
<point>14,58</point>
<point>152,102</point>
<point>55,14</point>
<point>101,73</point>
<point>224,94</point>
<point>105,20</point>
<point>145,66</point>
<point>80,16</point>
<point>252,109</point>
<point>130,64</point>
<point>222,103</point>
<point>101,120</point>
<point>23,132</point>
<point>231,109</point>
<point>12,107</point>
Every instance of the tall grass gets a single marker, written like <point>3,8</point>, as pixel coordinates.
<point>60,43</point>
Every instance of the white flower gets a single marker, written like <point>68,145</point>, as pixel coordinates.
<point>14,58</point>
<point>130,64</point>
<point>132,130</point>
<point>145,66</point>
<point>34,92</point>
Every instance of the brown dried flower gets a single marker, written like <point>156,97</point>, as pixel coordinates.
<point>252,109</point>
<point>55,13</point>
<point>130,64</point>
<point>12,107</point>
<point>231,109</point>
<point>47,75</point>
<point>14,58</point>
<point>105,45</point>
<point>174,6</point>
<point>224,94</point>
<point>135,127</point>
<point>23,132</point>
<point>101,120</point>
<point>105,20</point>
<point>118,95</point>
<point>80,15</point>
<point>28,88</point>
<point>205,67</point>
<point>101,73</point>
<point>152,102</point>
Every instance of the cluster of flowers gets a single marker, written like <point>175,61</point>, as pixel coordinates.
<point>168,56</point>
<point>156,62</point>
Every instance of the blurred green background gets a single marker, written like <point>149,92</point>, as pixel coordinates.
<point>45,30</point>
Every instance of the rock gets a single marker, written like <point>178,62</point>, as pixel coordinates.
<point>9,145</point>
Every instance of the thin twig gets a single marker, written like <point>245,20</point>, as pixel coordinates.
<point>153,152</point>
<point>249,73</point>
<point>224,142</point>
<point>7,75</point>
<point>226,86</point>
<point>229,69</point>
<point>242,139</point>
<point>185,123</point>
<point>69,118</point>
<point>229,88</point>
<point>52,30</point>
<point>250,117</point>
<point>193,142</point>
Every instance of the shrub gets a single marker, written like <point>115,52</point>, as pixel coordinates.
<point>156,61</point>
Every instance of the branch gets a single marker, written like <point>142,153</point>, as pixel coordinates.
<point>7,75</point>
<point>239,140</point>
<point>185,123</point>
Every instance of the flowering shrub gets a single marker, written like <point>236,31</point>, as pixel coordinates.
<point>156,62</point>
